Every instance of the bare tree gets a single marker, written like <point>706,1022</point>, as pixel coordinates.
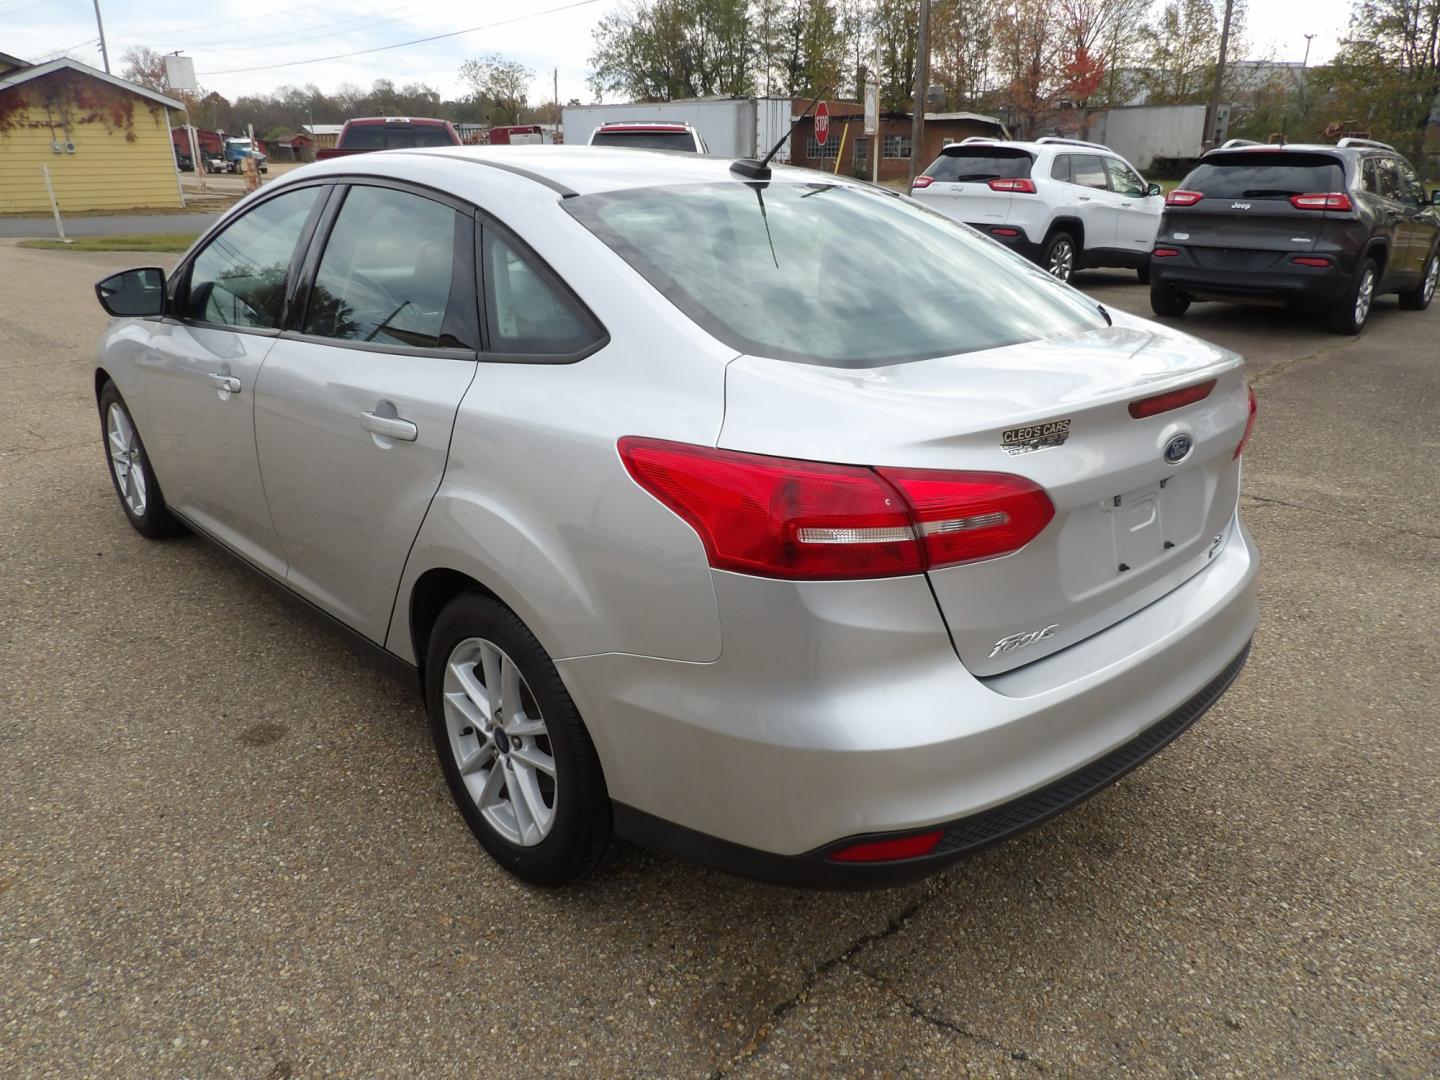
<point>505,82</point>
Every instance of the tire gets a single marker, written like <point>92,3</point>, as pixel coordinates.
<point>1060,256</point>
<point>1418,298</point>
<point>130,472</point>
<point>1164,300</point>
<point>558,829</point>
<point>1350,314</point>
<point>1143,273</point>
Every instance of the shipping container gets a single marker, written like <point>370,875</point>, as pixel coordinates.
<point>731,127</point>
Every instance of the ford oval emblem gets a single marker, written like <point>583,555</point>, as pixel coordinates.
<point>1178,448</point>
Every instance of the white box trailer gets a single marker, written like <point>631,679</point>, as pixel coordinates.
<point>731,127</point>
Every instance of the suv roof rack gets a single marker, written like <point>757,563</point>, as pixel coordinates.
<point>1231,144</point>
<point>977,138</point>
<point>1369,143</point>
<point>1049,139</point>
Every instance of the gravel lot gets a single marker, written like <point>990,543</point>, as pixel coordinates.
<point>226,849</point>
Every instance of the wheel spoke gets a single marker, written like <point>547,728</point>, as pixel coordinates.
<point>510,688</point>
<point>489,795</point>
<point>519,803</point>
<point>466,712</point>
<point>535,758</point>
<point>474,692</point>
<point>521,781</point>
<point>117,442</point>
<point>490,672</point>
<point>521,724</point>
<point>478,759</point>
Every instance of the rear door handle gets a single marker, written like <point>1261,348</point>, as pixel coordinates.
<point>227,383</point>
<point>392,427</point>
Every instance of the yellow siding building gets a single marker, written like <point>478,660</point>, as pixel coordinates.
<point>106,141</point>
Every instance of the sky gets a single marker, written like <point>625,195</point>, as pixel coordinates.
<point>236,43</point>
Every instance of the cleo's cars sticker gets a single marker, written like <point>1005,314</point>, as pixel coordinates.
<point>1024,440</point>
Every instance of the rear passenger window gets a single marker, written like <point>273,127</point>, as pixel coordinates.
<point>1411,190</point>
<point>1368,181</point>
<point>1390,180</point>
<point>527,310</point>
<point>387,273</point>
<point>239,279</point>
<point>1087,170</point>
<point>1060,168</point>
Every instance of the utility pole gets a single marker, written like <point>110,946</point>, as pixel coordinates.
<point>1304,79</point>
<point>104,51</point>
<point>1214,107</point>
<point>922,84</point>
<point>557,95</point>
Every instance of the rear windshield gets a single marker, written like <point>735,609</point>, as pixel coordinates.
<point>645,140</point>
<point>830,274</point>
<point>1254,174</point>
<point>991,163</point>
<point>395,137</point>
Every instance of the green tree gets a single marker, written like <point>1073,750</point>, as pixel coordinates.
<point>660,50</point>
<point>505,82</point>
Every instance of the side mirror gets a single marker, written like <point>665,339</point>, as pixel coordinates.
<point>1435,197</point>
<point>133,293</point>
<point>1153,190</point>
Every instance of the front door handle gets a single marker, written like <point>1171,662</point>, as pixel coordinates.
<point>392,427</point>
<point>227,383</point>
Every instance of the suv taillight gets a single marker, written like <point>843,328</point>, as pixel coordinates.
<point>808,520</point>
<point>1181,197</point>
<point>923,181</point>
<point>1249,424</point>
<point>1018,185</point>
<point>1330,200</point>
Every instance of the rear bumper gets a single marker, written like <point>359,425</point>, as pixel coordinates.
<point>1284,283</point>
<point>1019,243</point>
<point>961,837</point>
<point>838,712</point>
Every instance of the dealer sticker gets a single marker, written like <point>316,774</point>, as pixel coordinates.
<point>1024,440</point>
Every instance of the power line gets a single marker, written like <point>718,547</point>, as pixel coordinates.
<point>309,29</point>
<point>402,44</point>
<point>164,32</point>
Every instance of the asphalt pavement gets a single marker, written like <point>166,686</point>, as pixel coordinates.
<point>43,228</point>
<point>226,848</point>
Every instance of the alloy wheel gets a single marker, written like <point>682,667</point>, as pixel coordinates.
<point>499,741</point>
<point>126,459</point>
<point>1062,260</point>
<point>1363,297</point>
<point>1432,273</point>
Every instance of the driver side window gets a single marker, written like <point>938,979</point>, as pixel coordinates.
<point>1124,179</point>
<point>239,278</point>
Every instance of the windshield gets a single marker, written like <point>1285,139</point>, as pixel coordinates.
<point>988,164</point>
<point>830,274</point>
<point>1252,174</point>
<point>645,140</point>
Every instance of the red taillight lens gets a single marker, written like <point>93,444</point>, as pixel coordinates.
<point>1171,399</point>
<point>1165,253</point>
<point>1181,197</point>
<point>904,847</point>
<point>1015,184</point>
<point>1005,232</point>
<point>808,520</point>
<point>962,517</point>
<point>923,181</point>
<point>1309,260</point>
<point>1249,423</point>
<point>1331,200</point>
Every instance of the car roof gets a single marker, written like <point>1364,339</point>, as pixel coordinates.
<point>585,170</point>
<point>397,120</point>
<point>1067,147</point>
<point>644,125</point>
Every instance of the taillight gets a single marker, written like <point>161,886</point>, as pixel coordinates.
<point>1165,253</point>
<point>1006,232</point>
<point>1181,197</point>
<point>1332,200</point>
<point>1171,399</point>
<point>962,517</point>
<point>900,847</point>
<point>1249,423</point>
<point>1015,184</point>
<point>923,181</point>
<point>806,520</point>
<point>1310,260</point>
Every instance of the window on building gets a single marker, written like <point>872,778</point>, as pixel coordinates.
<point>862,153</point>
<point>896,146</point>
<point>829,152</point>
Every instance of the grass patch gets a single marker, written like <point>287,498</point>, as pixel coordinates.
<point>138,242</point>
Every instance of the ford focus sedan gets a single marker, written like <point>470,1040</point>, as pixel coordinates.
<point>766,519</point>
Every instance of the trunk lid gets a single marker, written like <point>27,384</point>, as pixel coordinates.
<point>1055,412</point>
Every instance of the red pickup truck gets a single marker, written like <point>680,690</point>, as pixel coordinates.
<point>363,134</point>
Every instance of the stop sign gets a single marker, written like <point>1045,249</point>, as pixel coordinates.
<point>822,123</point>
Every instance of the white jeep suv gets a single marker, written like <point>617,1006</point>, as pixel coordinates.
<point>1062,203</point>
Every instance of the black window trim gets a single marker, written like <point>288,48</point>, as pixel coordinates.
<point>178,287</point>
<point>487,223</point>
<point>320,238</point>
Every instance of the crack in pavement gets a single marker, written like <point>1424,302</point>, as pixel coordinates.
<point>1271,501</point>
<point>1281,367</point>
<point>757,1040</point>
<point>943,1024</point>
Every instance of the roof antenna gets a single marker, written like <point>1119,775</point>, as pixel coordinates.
<point>760,170</point>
